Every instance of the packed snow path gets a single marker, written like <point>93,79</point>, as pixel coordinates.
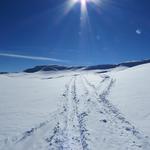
<point>85,120</point>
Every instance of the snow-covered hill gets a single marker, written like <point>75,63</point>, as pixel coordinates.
<point>131,94</point>
<point>96,67</point>
<point>76,109</point>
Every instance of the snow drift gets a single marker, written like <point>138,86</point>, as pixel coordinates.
<point>59,108</point>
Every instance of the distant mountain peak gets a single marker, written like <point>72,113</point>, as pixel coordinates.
<point>95,67</point>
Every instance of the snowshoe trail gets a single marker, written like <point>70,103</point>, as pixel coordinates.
<point>116,131</point>
<point>85,120</point>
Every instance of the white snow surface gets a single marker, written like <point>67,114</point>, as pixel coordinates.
<point>76,110</point>
<point>131,94</point>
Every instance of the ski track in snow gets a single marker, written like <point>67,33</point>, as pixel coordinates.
<point>85,120</point>
<point>122,129</point>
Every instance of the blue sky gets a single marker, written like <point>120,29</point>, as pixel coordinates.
<point>35,32</point>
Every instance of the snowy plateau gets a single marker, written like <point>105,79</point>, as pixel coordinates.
<point>81,108</point>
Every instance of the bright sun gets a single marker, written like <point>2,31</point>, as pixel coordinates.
<point>83,3</point>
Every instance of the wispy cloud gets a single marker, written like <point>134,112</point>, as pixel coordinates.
<point>31,57</point>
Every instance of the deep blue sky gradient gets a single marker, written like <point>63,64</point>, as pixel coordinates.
<point>35,28</point>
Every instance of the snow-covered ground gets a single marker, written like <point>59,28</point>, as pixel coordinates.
<point>76,110</point>
<point>131,94</point>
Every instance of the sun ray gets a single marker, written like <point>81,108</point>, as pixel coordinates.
<point>83,4</point>
<point>86,32</point>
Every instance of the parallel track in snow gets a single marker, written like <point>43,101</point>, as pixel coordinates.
<point>86,120</point>
<point>117,122</point>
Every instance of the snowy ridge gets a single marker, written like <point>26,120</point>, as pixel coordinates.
<point>104,66</point>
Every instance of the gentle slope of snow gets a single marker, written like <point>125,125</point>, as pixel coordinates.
<point>131,94</point>
<point>76,110</point>
<point>25,102</point>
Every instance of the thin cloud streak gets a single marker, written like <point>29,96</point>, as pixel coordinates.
<point>31,57</point>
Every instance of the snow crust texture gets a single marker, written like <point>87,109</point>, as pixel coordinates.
<point>72,110</point>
